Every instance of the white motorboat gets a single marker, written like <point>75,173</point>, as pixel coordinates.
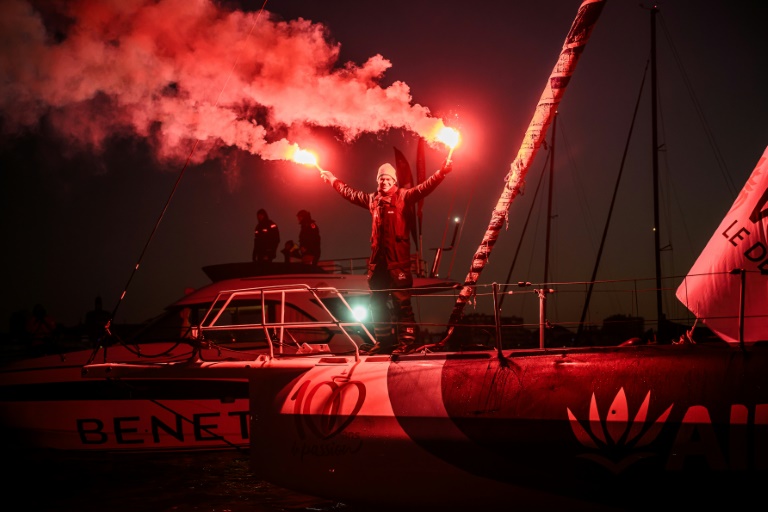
<point>45,402</point>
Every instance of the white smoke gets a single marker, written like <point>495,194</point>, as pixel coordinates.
<point>178,72</point>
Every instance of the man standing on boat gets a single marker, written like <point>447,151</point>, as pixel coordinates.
<point>309,238</point>
<point>389,266</point>
<point>266,237</point>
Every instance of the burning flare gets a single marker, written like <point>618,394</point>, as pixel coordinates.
<point>304,157</point>
<point>450,137</point>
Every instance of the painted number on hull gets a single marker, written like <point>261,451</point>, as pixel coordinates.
<point>327,408</point>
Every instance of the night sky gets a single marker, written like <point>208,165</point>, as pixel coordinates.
<point>102,102</point>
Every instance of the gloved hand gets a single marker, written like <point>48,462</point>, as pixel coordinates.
<point>447,167</point>
<point>327,176</point>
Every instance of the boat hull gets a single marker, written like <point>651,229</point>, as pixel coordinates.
<point>602,426</point>
<point>45,403</point>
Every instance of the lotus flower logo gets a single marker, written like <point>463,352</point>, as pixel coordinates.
<point>615,435</point>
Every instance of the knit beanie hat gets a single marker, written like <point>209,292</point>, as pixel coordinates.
<point>388,170</point>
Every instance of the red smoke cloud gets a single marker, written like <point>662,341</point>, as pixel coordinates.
<point>176,71</point>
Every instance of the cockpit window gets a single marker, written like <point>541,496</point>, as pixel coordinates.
<point>241,322</point>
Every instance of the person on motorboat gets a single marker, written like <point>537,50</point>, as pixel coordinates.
<point>309,238</point>
<point>41,328</point>
<point>96,320</point>
<point>266,237</point>
<point>389,266</point>
<point>290,251</point>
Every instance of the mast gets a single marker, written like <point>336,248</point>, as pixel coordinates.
<point>655,152</point>
<point>575,41</point>
<point>543,308</point>
<point>549,199</point>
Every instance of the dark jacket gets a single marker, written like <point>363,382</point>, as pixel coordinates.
<point>390,228</point>
<point>266,237</point>
<point>309,239</point>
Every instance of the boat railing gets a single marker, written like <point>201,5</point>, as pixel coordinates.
<point>345,266</point>
<point>269,309</point>
<point>282,320</point>
<point>360,265</point>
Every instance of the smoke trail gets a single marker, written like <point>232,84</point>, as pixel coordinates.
<point>175,71</point>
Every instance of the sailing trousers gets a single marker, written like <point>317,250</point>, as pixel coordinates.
<point>394,284</point>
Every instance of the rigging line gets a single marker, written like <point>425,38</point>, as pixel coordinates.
<point>550,183</point>
<point>178,179</point>
<point>667,192</point>
<point>541,215</point>
<point>667,182</point>
<point>447,221</point>
<point>676,202</point>
<point>448,217</point>
<point>581,197</point>
<point>461,229</point>
<point>577,177</point>
<point>525,227</point>
<point>610,209</point>
<point>697,106</point>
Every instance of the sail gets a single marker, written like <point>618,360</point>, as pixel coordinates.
<point>728,283</point>
<point>405,180</point>
<point>577,38</point>
<point>403,169</point>
<point>421,175</point>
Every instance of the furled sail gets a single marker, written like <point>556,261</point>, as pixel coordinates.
<point>577,38</point>
<point>727,287</point>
